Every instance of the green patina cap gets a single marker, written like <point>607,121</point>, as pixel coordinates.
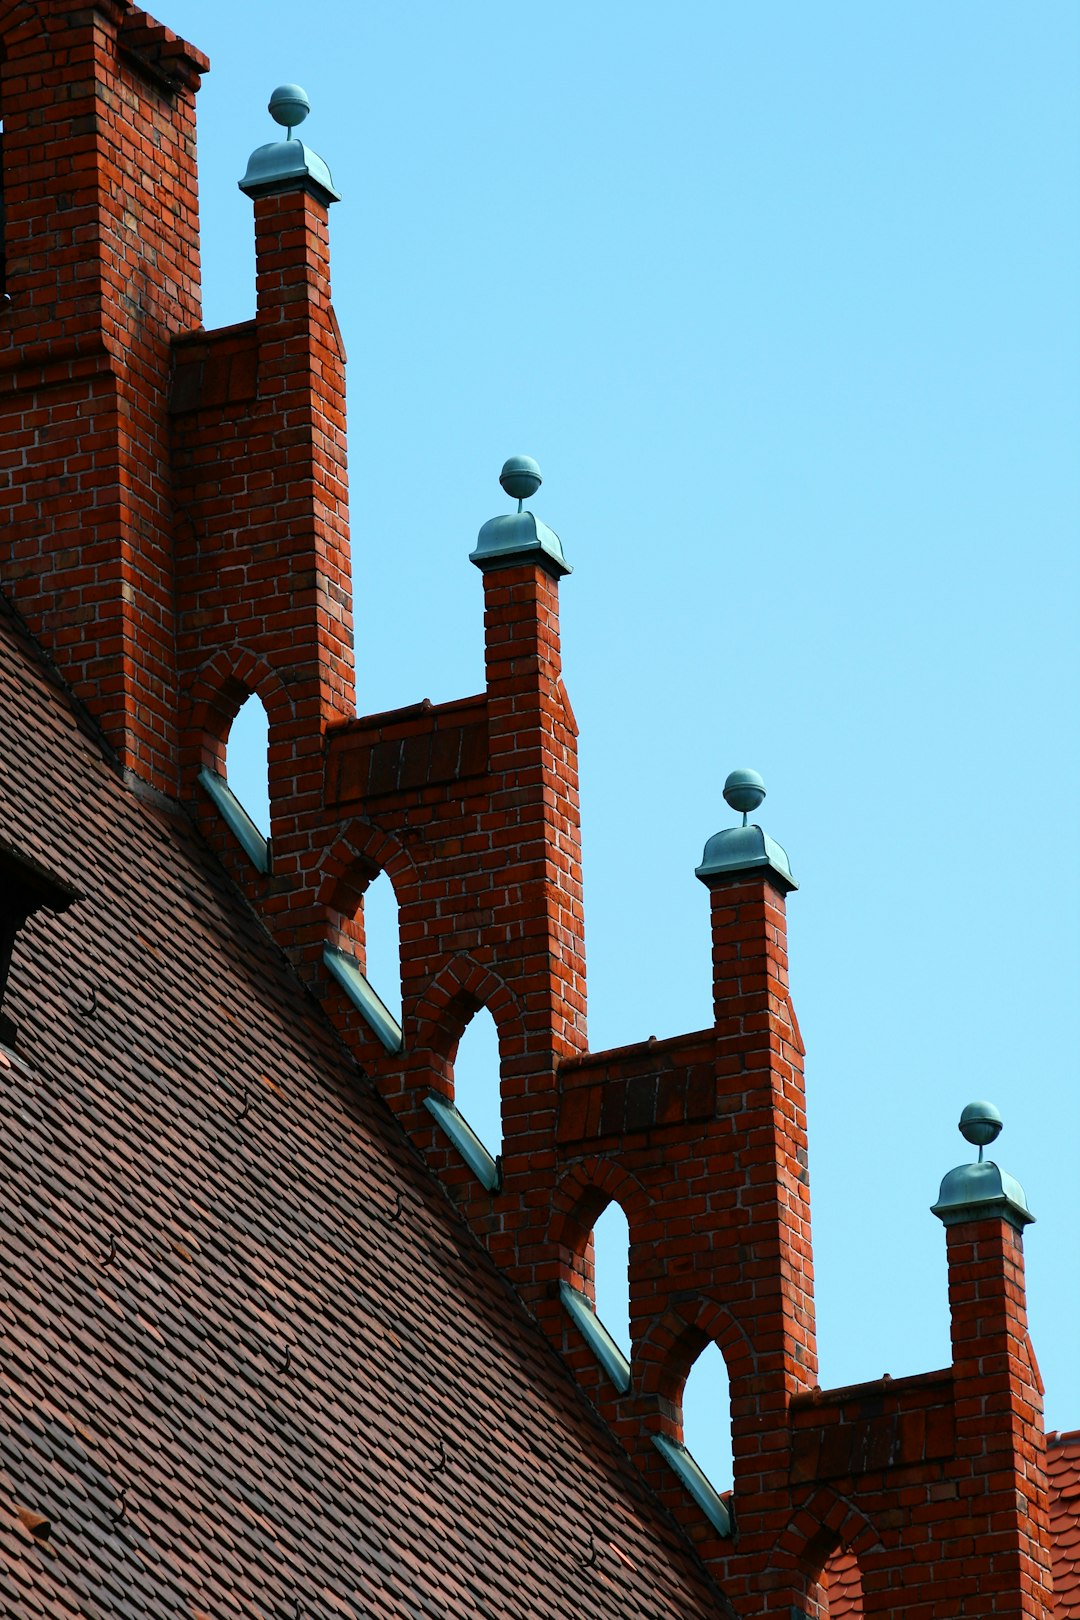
<point>747,848</point>
<point>519,536</point>
<point>285,165</point>
<point>974,1192</point>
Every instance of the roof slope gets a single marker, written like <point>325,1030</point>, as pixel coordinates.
<point>252,1364</point>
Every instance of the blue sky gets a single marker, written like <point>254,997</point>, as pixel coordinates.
<point>783,299</point>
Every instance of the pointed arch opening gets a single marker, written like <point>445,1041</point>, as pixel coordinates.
<point>247,769</point>
<point>706,1417</point>
<point>689,1358</point>
<point>476,1080</point>
<point>238,779</point>
<point>473,1120</point>
<point>363,947</point>
<point>382,942</point>
<point>610,1245</point>
<point>597,1297</point>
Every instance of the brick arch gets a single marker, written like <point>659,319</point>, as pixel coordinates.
<point>673,1342</point>
<point>351,863</point>
<point>441,1012</point>
<point>216,696</point>
<point>823,1522</point>
<point>584,1192</point>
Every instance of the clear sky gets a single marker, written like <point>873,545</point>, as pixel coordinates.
<point>784,300</point>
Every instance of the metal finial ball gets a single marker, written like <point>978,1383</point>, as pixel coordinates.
<point>744,790</point>
<point>289,105</point>
<point>980,1124</point>
<point>520,477</point>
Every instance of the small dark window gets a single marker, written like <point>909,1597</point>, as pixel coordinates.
<point>25,887</point>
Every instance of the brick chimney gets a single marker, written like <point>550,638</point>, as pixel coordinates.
<point>102,269</point>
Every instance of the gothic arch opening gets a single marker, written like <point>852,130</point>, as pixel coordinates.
<point>247,760</point>
<point>610,1242</point>
<point>382,942</point>
<point>706,1417</point>
<point>476,1080</point>
<point>597,1296</point>
<point>363,946</point>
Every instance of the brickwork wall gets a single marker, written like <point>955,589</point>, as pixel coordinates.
<point>709,1133</point>
<point>262,550</point>
<point>102,268</point>
<point>1000,1443</point>
<point>477,805</point>
<point>175,529</point>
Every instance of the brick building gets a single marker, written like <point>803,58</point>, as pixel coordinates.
<point>280,1337</point>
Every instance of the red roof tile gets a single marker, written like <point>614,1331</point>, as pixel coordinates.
<point>843,1584</point>
<point>1063,1472</point>
<point>234,1381</point>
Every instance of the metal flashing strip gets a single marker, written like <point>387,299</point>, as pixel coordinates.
<point>596,1335</point>
<point>346,970</point>
<point>697,1483</point>
<point>250,839</point>
<point>472,1150</point>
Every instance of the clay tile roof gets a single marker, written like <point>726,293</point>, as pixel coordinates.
<point>235,1380</point>
<point>1063,1472</point>
<point>843,1583</point>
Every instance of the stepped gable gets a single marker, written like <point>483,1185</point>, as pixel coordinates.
<point>251,1356</point>
<point>267,1349</point>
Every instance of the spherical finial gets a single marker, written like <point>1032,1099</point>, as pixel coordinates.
<point>980,1124</point>
<point>520,477</point>
<point>744,790</point>
<point>289,105</point>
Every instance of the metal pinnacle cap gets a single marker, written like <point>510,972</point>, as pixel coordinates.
<point>975,1192</point>
<point>737,850</point>
<point>286,165</point>
<point>517,537</point>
